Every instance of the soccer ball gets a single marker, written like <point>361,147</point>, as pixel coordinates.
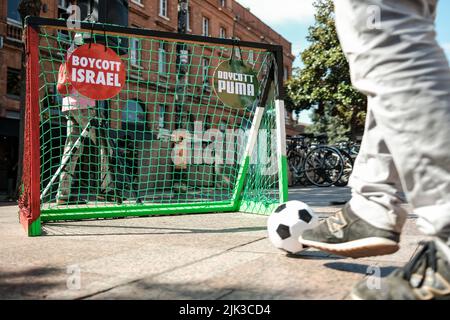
<point>288,222</point>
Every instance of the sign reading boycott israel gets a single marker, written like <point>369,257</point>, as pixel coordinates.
<point>236,84</point>
<point>96,72</point>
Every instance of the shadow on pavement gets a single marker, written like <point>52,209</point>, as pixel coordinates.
<point>156,290</point>
<point>8,204</point>
<point>315,196</point>
<point>364,269</point>
<point>72,230</point>
<point>313,255</point>
<point>23,284</point>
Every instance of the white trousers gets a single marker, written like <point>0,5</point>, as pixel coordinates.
<point>77,120</point>
<point>397,62</point>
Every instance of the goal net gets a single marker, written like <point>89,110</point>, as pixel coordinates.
<point>126,122</point>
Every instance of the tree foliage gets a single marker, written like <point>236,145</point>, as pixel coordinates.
<point>323,83</point>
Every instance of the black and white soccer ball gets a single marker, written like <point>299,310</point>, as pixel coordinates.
<point>287,223</point>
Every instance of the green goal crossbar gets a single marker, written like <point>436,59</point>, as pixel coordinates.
<point>166,144</point>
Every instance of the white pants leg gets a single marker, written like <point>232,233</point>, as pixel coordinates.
<point>375,181</point>
<point>406,76</point>
<point>77,120</point>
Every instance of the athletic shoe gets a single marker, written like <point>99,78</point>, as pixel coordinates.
<point>425,277</point>
<point>348,235</point>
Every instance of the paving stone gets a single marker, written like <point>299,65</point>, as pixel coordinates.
<point>205,256</point>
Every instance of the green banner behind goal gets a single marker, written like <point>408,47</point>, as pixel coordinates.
<point>125,122</point>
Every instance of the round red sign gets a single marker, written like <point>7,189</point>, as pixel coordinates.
<point>96,72</point>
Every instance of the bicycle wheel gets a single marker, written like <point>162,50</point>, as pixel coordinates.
<point>323,166</point>
<point>348,168</point>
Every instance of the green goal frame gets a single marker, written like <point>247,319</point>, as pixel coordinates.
<point>248,183</point>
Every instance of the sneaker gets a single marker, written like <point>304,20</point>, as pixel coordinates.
<point>348,235</point>
<point>70,201</point>
<point>425,277</point>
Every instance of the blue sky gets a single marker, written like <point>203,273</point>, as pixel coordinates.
<point>291,18</point>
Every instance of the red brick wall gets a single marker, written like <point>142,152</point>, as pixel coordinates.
<point>247,27</point>
<point>147,15</point>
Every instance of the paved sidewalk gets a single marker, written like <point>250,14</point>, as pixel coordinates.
<point>208,256</point>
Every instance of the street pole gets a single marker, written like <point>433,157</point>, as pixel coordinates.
<point>182,62</point>
<point>25,8</point>
<point>181,120</point>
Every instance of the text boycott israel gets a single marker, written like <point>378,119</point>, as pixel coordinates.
<point>96,72</point>
<point>107,71</point>
<point>236,84</point>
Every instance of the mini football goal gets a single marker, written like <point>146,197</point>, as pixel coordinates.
<point>127,122</point>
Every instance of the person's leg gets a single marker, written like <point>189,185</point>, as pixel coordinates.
<point>98,142</point>
<point>66,176</point>
<point>375,181</point>
<point>106,177</point>
<point>406,74</point>
<point>370,224</point>
<point>401,67</point>
<point>100,136</point>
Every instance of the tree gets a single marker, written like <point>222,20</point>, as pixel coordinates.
<point>323,83</point>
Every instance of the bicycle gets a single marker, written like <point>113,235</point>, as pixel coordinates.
<point>321,165</point>
<point>349,151</point>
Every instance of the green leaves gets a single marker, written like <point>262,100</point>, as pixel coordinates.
<point>324,84</point>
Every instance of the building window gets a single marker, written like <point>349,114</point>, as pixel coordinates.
<point>13,14</point>
<point>205,27</point>
<point>251,57</point>
<point>237,50</point>
<point>13,82</point>
<point>188,18</point>
<point>162,59</point>
<point>286,73</point>
<point>63,3</point>
<point>161,116</point>
<point>62,9</point>
<point>163,9</point>
<point>135,52</point>
<point>184,66</point>
<point>222,33</point>
<point>133,117</point>
<point>63,35</point>
<point>205,72</point>
<point>12,115</point>
<point>223,3</point>
<point>133,113</point>
<point>265,69</point>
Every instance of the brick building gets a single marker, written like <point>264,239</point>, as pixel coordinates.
<point>216,18</point>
